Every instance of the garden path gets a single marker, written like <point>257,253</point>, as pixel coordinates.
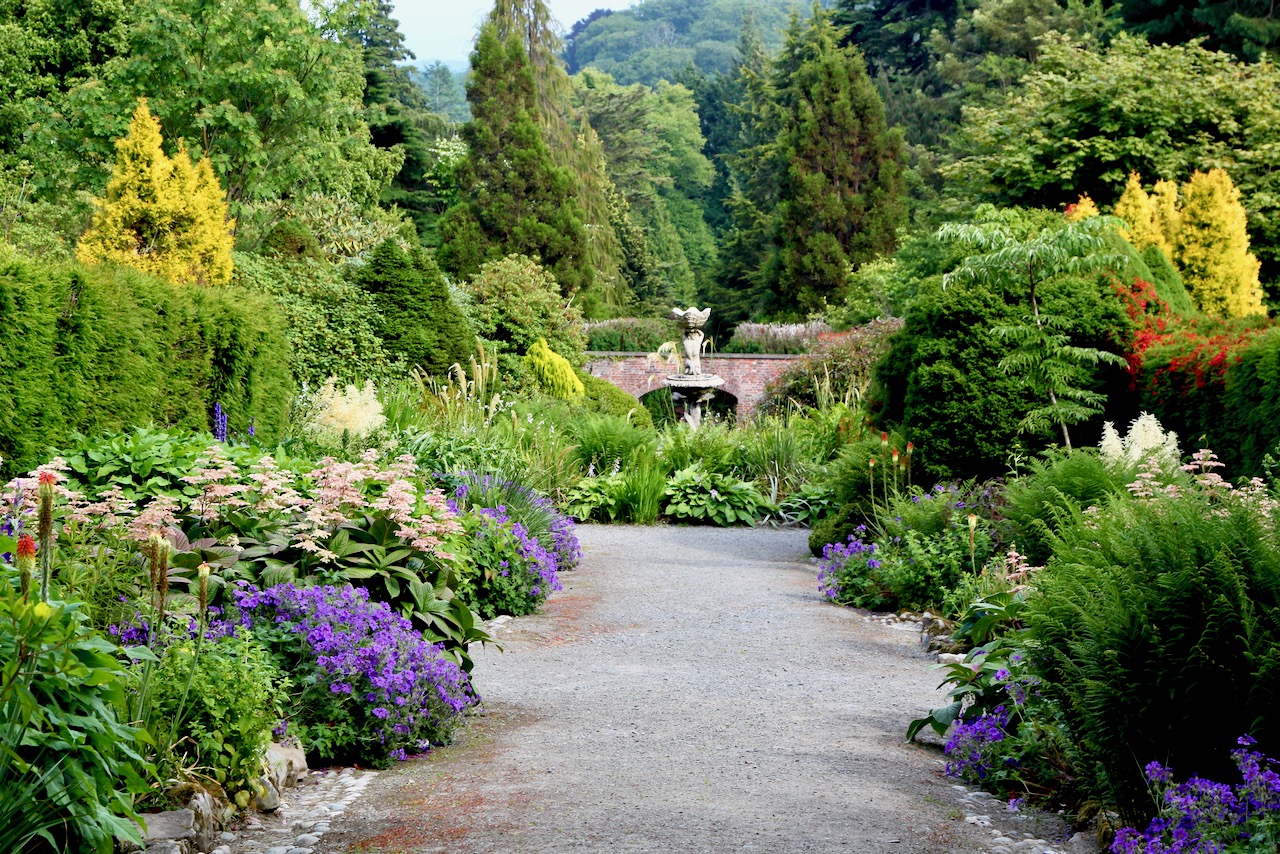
<point>687,691</point>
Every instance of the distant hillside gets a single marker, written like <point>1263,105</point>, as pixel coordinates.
<point>656,39</point>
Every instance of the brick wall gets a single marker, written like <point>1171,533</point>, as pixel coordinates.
<point>745,375</point>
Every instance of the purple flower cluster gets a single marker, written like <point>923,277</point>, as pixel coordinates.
<point>968,747</point>
<point>219,422</point>
<point>1201,816</point>
<point>405,685</point>
<point>12,521</point>
<point>542,561</point>
<point>136,632</point>
<point>537,513</point>
<point>836,556</point>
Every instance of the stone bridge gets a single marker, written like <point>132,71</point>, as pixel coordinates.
<point>745,374</point>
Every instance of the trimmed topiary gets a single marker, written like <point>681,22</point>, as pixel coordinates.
<point>417,320</point>
<point>553,372</point>
<point>604,396</point>
<point>291,239</point>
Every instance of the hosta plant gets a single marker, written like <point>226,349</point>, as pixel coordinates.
<point>696,495</point>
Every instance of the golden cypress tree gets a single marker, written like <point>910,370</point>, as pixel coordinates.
<point>1082,209</point>
<point>1167,213</point>
<point>161,215</point>
<point>1138,209</point>
<point>1212,247</point>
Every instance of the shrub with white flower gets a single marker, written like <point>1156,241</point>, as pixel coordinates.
<point>1146,439</point>
<point>336,416</point>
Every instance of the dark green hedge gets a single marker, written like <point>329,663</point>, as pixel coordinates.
<point>942,385</point>
<point>93,349</point>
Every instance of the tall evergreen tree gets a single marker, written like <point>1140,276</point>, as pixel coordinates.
<point>840,190</point>
<point>741,290</point>
<point>514,198</point>
<point>574,147</point>
<point>397,109</point>
<point>1212,247</point>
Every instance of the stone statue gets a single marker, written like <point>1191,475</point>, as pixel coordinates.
<point>691,322</point>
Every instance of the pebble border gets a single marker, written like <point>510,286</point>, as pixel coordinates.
<point>303,818</point>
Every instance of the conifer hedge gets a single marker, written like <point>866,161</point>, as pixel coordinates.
<point>94,349</point>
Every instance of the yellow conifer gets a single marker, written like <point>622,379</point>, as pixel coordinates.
<point>1166,211</point>
<point>1138,209</point>
<point>1082,209</point>
<point>1212,247</point>
<point>160,215</point>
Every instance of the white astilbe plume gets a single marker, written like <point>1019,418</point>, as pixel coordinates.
<point>1111,447</point>
<point>352,412</point>
<point>1146,439</point>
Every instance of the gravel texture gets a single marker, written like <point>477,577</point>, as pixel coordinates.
<point>688,691</point>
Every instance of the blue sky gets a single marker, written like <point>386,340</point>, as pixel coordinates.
<point>445,29</point>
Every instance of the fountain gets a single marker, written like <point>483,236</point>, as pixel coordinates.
<point>691,385</point>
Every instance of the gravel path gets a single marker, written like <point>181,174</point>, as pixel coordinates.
<point>688,691</point>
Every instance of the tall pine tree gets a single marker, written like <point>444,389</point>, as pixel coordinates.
<point>514,197</point>
<point>840,187</point>
<point>572,143</point>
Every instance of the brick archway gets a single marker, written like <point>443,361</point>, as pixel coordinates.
<point>745,375</point>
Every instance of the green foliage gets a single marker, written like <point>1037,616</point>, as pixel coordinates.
<point>714,446</point>
<point>634,494</point>
<point>142,463</point>
<point>839,168</point>
<point>605,397</point>
<point>699,496</point>
<point>810,503</point>
<point>942,379</point>
<point>266,92</point>
<point>839,368</point>
<point>292,240</point>
<point>515,302</point>
<point>503,211</point>
<point>1156,632</point>
<point>655,38</point>
<point>775,455</point>
<point>608,441</point>
<point>1054,487</point>
<point>1167,281</point>
<point>93,350</point>
<point>628,334</point>
<point>553,373</point>
<point>218,702</point>
<point>498,578</point>
<point>416,319</point>
<point>64,746</point>
<point>1083,118</point>
<point>1042,353</point>
<point>331,323</point>
<point>443,91</point>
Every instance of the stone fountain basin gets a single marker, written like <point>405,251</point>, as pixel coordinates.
<point>694,381</point>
